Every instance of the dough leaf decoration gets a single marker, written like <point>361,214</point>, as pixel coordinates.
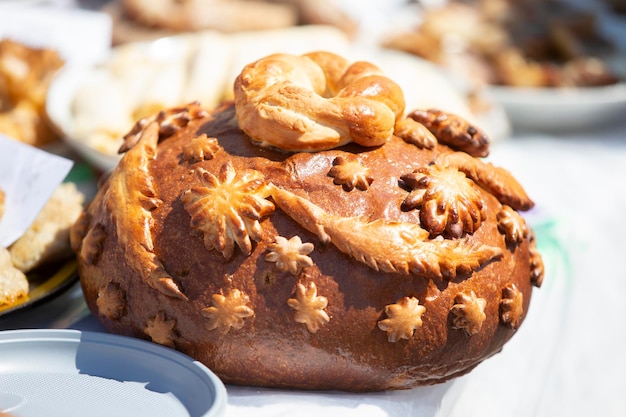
<point>496,180</point>
<point>130,198</point>
<point>454,131</point>
<point>228,311</point>
<point>386,245</point>
<point>227,208</point>
<point>415,133</point>
<point>449,203</point>
<point>403,318</point>
<point>309,307</point>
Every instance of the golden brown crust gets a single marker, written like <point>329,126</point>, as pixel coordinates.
<point>316,101</point>
<point>266,265</point>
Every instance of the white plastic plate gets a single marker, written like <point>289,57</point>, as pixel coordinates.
<point>72,373</point>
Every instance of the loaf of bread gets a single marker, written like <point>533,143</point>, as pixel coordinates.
<point>347,265</point>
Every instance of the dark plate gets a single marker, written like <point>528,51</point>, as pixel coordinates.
<point>45,283</point>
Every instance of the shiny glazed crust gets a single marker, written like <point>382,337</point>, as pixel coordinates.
<point>316,101</point>
<point>354,268</point>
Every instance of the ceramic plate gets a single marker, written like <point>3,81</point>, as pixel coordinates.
<point>59,110</point>
<point>562,110</point>
<point>567,110</point>
<point>72,373</point>
<point>45,283</point>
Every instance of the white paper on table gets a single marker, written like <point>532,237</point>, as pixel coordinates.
<point>82,37</point>
<point>28,177</point>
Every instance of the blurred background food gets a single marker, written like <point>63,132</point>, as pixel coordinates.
<point>520,43</point>
<point>25,75</point>
<point>135,20</point>
<point>618,6</point>
<point>44,243</point>
<point>169,52</point>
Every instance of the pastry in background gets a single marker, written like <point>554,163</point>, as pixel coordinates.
<point>13,282</point>
<point>222,15</point>
<point>322,12</point>
<point>25,75</point>
<point>136,20</point>
<point>47,239</point>
<point>513,43</point>
<point>618,6</point>
<point>135,82</point>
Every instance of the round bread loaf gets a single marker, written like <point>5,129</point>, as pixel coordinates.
<point>353,268</point>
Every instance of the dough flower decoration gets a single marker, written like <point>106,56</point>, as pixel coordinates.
<point>227,208</point>
<point>449,203</point>
<point>350,174</point>
<point>228,311</point>
<point>536,262</point>
<point>468,312</point>
<point>290,255</point>
<point>403,318</point>
<point>511,306</point>
<point>512,225</point>
<point>309,307</point>
<point>498,181</point>
<point>111,301</point>
<point>386,245</point>
<point>161,329</point>
<point>201,148</point>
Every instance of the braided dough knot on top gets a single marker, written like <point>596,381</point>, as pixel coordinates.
<point>316,101</point>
